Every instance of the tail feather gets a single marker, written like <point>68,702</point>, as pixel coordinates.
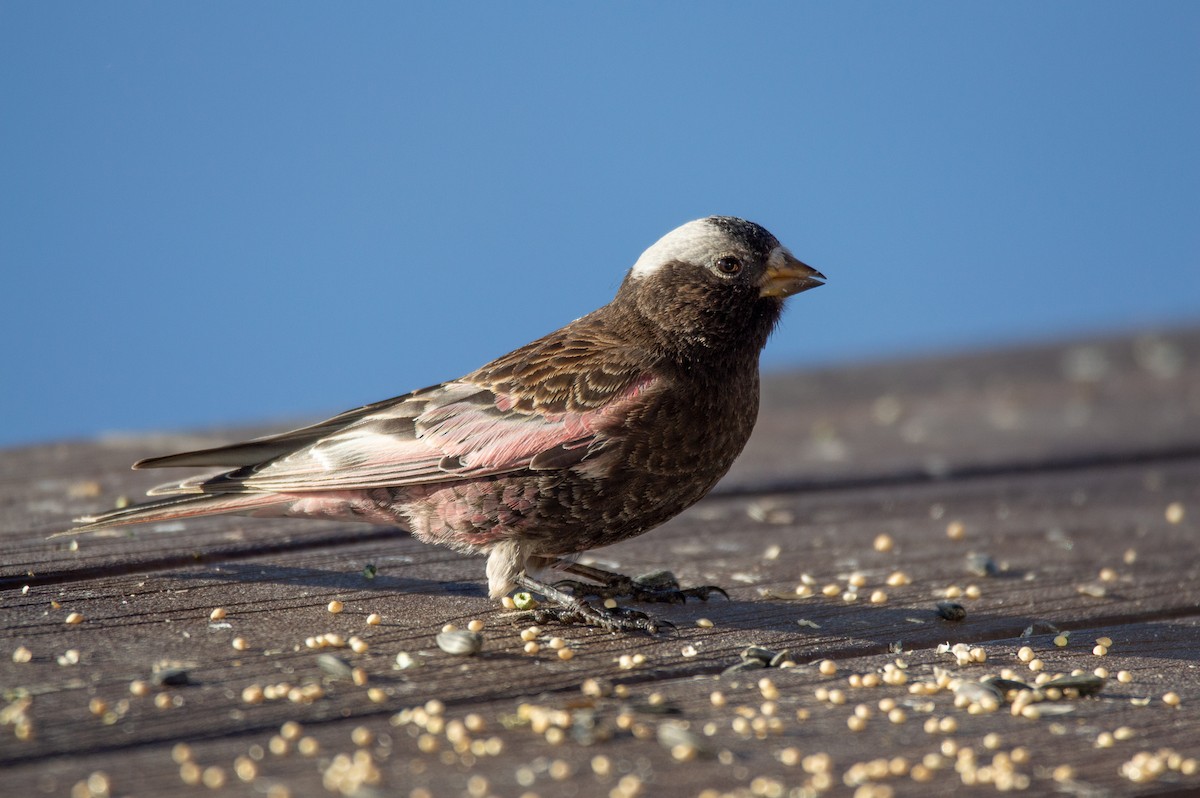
<point>174,508</point>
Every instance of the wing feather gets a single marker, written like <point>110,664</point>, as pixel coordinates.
<point>462,431</point>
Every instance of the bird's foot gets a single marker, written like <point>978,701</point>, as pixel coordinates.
<point>656,586</point>
<point>574,610</point>
<point>612,619</point>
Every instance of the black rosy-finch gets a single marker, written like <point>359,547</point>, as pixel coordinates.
<point>595,433</point>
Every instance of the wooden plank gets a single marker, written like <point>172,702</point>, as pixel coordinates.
<point>1051,754</point>
<point>1074,518</point>
<point>1056,536</point>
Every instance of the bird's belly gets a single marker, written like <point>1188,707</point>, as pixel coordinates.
<point>565,512</point>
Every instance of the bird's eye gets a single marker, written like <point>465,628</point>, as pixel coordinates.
<point>729,265</point>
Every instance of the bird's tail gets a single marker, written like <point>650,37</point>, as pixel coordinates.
<point>173,508</point>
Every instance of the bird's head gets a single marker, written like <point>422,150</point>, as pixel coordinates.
<point>715,283</point>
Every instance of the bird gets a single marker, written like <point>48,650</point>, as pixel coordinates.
<point>590,435</point>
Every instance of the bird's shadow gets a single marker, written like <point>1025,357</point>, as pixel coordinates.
<point>248,573</point>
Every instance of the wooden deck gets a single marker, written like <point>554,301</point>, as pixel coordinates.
<point>1071,471</point>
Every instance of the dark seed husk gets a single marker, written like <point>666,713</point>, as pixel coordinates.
<point>748,665</point>
<point>951,610</point>
<point>759,654</point>
<point>661,579</point>
<point>1005,685</point>
<point>1084,683</point>
<point>172,677</point>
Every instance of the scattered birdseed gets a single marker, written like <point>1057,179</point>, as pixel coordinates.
<point>884,542</point>
<point>1124,677</point>
<point>972,592</point>
<point>879,597</point>
<point>1104,641</point>
<point>1174,513</point>
<point>827,667</point>
<point>532,647</point>
<point>358,645</point>
<point>956,530</point>
<point>1025,654</point>
<point>1100,650</point>
<point>240,643</point>
<point>507,603</point>
<point>74,618</point>
<point>475,625</point>
<point>189,773</point>
<point>1171,699</point>
<point>245,768</point>
<point>335,606</point>
<point>855,723</point>
<point>524,601</point>
<point>566,654</point>
<point>898,579</point>
<point>213,777</point>
<point>22,655</point>
<point>704,623</point>
<point>1062,639</point>
<point>374,619</point>
<point>953,592</point>
<point>362,736</point>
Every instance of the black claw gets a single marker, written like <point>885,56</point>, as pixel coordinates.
<point>704,591</point>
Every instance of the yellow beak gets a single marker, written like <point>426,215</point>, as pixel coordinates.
<point>786,275</point>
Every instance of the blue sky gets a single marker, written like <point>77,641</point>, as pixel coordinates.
<point>222,213</point>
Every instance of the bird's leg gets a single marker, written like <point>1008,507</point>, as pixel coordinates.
<point>661,586</point>
<point>572,609</point>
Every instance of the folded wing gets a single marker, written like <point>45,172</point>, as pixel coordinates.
<point>456,431</point>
